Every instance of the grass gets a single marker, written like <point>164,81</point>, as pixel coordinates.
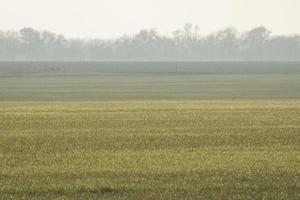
<point>108,87</point>
<point>150,136</point>
<point>246,149</point>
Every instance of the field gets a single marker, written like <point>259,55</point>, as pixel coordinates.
<point>124,87</point>
<point>150,136</point>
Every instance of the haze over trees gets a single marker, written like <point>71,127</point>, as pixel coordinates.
<point>185,44</point>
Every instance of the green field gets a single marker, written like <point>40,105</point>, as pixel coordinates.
<point>150,136</point>
<point>114,86</point>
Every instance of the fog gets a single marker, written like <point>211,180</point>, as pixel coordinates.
<point>113,18</point>
<point>185,44</point>
<point>142,30</point>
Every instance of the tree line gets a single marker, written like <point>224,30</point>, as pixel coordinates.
<point>185,44</point>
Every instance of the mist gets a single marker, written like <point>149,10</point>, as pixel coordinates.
<point>184,44</point>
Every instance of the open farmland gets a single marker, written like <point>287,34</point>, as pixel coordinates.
<point>150,136</point>
<point>108,87</point>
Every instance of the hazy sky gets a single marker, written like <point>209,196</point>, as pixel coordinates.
<point>112,18</point>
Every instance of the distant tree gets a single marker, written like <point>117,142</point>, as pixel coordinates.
<point>185,44</point>
<point>31,43</point>
<point>254,43</point>
<point>9,46</point>
<point>227,44</point>
<point>283,48</point>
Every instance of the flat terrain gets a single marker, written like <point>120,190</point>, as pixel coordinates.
<point>114,86</point>
<point>169,149</point>
<point>150,136</point>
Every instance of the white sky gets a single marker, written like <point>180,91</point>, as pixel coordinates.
<point>112,18</point>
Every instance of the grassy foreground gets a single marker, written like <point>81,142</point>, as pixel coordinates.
<point>246,149</point>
